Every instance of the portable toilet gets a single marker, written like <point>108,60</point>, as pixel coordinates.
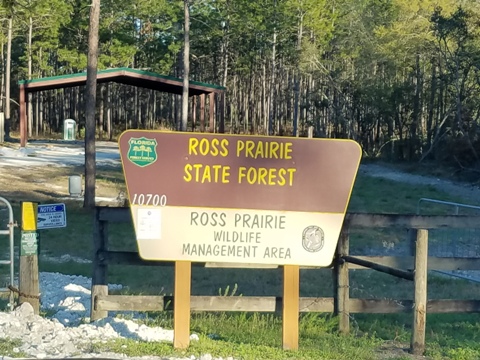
<point>69,129</point>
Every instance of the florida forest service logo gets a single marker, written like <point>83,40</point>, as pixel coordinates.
<point>313,238</point>
<point>142,151</point>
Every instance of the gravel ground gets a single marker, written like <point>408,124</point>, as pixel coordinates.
<point>66,332</point>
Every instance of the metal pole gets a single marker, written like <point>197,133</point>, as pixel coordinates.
<point>11,226</point>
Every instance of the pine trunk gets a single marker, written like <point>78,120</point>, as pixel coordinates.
<point>90,95</point>
<point>29,50</point>
<point>186,65</point>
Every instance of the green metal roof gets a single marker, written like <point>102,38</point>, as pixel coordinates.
<point>134,77</point>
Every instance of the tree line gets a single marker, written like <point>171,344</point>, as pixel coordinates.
<point>401,77</point>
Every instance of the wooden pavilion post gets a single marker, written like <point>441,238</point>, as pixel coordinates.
<point>211,114</point>
<point>221,129</point>
<point>23,117</point>
<point>194,112</point>
<point>202,112</point>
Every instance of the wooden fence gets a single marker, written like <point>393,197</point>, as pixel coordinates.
<point>412,268</point>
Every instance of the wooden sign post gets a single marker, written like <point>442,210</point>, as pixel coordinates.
<point>219,198</point>
<point>181,304</point>
<point>28,279</point>
<point>291,308</point>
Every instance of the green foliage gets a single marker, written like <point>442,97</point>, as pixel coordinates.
<point>398,76</point>
<point>227,291</point>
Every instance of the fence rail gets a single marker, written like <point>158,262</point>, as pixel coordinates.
<point>274,304</point>
<point>404,262</point>
<point>120,215</point>
<point>410,267</point>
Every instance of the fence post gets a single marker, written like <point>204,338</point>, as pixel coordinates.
<point>417,345</point>
<point>412,241</point>
<point>99,278</point>
<point>336,263</point>
<point>28,265</point>
<point>28,281</point>
<point>342,299</point>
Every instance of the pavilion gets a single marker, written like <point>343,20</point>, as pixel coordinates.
<point>127,76</point>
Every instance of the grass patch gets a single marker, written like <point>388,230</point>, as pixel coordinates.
<point>258,336</point>
<point>51,183</point>
<point>255,336</point>
<point>377,195</point>
<point>10,348</point>
<point>448,336</point>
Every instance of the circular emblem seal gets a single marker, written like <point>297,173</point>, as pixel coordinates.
<point>313,238</point>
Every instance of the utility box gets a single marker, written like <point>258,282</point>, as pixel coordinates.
<point>69,129</point>
<point>75,185</point>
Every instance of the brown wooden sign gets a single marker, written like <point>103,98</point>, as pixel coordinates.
<point>234,198</point>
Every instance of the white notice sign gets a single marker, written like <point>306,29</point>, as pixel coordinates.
<point>51,216</point>
<point>149,224</point>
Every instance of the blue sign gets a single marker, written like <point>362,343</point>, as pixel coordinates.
<point>51,216</point>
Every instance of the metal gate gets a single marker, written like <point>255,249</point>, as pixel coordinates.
<point>451,242</point>
<point>9,232</point>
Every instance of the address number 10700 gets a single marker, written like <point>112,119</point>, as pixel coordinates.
<point>149,199</point>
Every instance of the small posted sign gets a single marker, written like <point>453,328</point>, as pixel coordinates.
<point>29,243</point>
<point>29,216</point>
<point>51,216</point>
<point>29,234</point>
